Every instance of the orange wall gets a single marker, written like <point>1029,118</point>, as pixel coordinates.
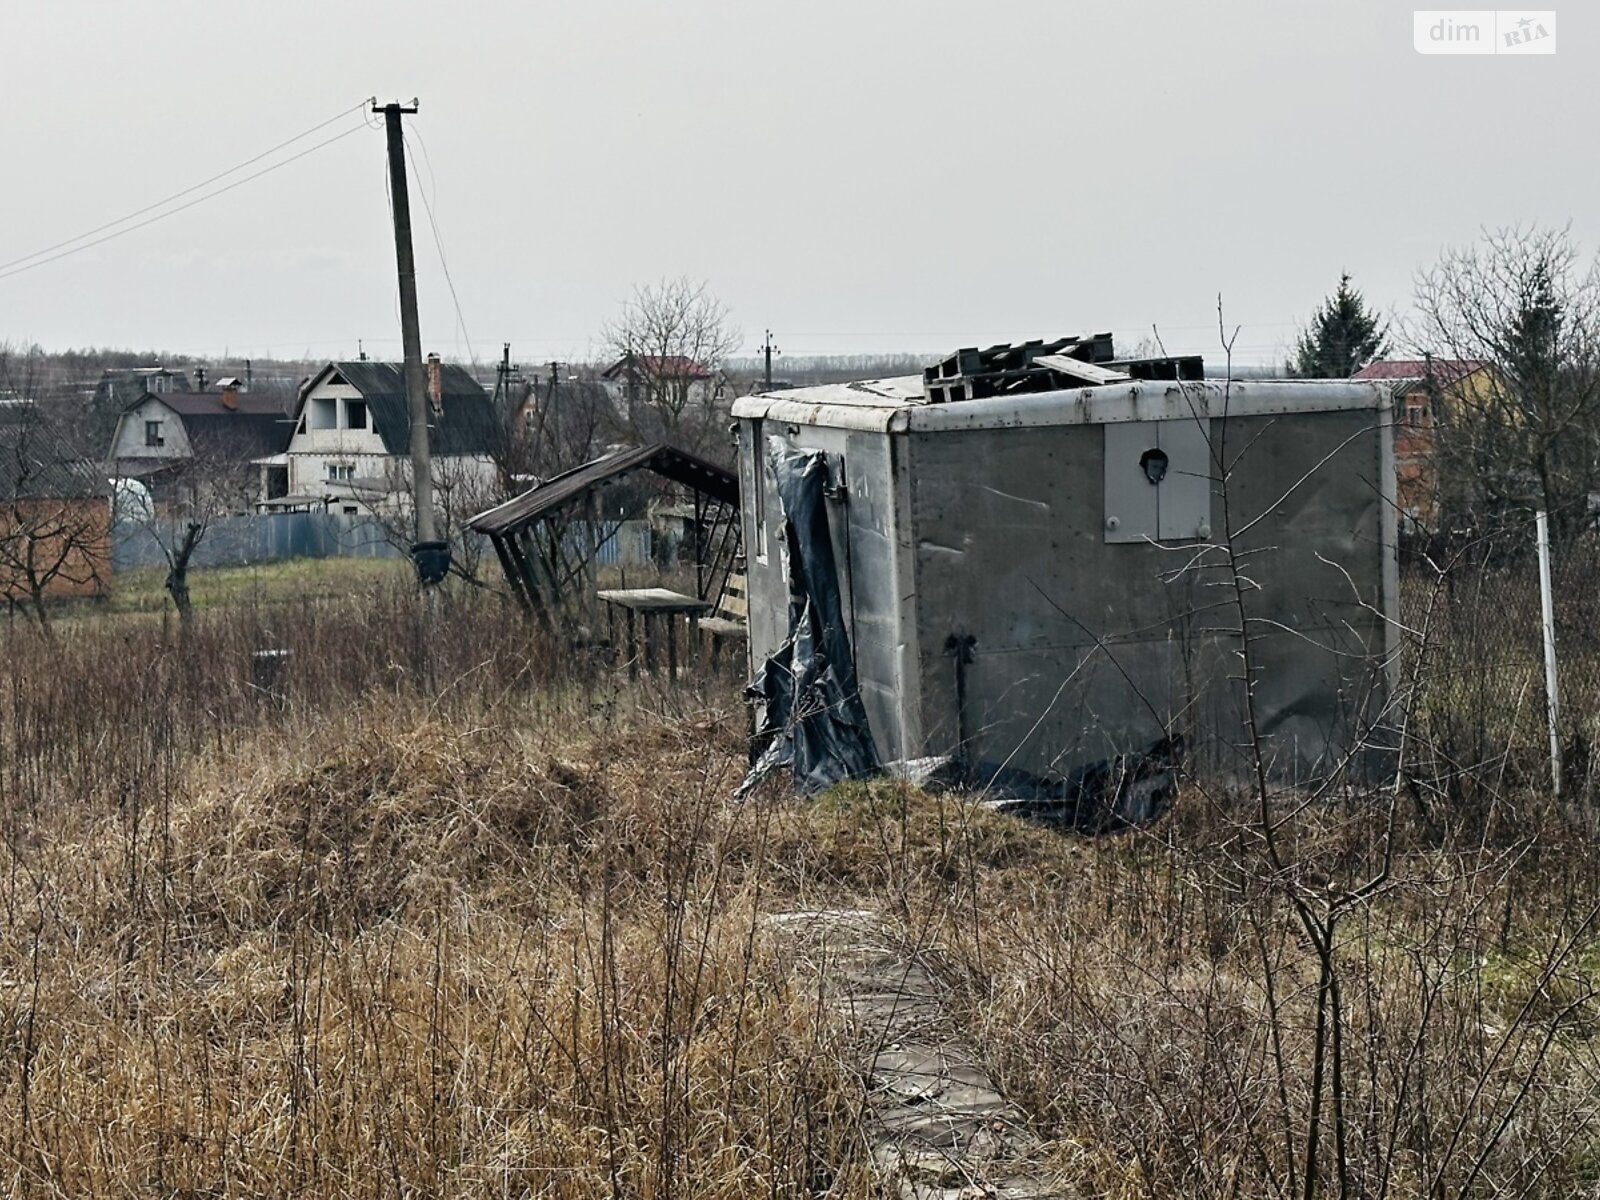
<point>87,571</point>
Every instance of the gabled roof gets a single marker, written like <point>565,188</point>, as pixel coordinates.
<point>195,404</point>
<point>36,462</point>
<point>257,426</point>
<point>464,423</point>
<point>659,366</point>
<point>676,465</point>
<point>1440,370</point>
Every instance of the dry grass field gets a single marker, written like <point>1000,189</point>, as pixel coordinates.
<point>436,914</point>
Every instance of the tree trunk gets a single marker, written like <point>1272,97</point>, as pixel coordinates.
<point>177,584</point>
<point>41,611</point>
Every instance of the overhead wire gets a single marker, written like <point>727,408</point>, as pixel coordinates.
<point>139,212</point>
<point>438,241</point>
<point>100,241</point>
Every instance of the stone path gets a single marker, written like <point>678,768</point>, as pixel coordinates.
<point>937,1127</point>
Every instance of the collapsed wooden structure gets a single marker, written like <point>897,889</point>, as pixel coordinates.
<point>533,533</point>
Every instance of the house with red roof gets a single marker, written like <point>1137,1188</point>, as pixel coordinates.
<point>1424,391</point>
<point>168,439</point>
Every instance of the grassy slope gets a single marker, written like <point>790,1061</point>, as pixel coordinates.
<point>457,924</point>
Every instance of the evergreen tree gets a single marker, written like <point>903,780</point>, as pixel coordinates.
<point>1342,338</point>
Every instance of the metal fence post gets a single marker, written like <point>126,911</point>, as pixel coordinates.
<point>1547,615</point>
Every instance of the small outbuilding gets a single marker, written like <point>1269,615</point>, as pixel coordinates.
<point>1027,552</point>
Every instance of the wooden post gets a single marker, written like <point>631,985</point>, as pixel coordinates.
<point>633,658</point>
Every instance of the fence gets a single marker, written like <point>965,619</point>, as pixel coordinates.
<point>239,541</point>
<point>1471,607</point>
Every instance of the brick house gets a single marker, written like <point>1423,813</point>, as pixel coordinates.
<point>55,512</point>
<point>1424,391</point>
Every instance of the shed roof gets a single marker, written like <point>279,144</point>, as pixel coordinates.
<point>677,465</point>
<point>37,463</point>
<point>464,423</point>
<point>900,405</point>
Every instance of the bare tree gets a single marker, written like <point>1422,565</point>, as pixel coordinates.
<point>1521,306</point>
<point>668,347</point>
<point>55,510</point>
<point>207,489</point>
<point>463,486</point>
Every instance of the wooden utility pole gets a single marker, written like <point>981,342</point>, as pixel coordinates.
<point>427,546</point>
<point>769,350</point>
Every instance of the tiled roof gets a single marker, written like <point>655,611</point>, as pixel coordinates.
<point>1441,370</point>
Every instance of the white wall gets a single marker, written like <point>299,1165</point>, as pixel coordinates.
<point>311,450</point>
<point>129,440</point>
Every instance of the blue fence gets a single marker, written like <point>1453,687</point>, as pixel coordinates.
<point>242,540</point>
<point>239,541</point>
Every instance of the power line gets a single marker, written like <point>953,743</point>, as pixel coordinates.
<point>182,207</point>
<point>139,212</point>
<point>438,243</point>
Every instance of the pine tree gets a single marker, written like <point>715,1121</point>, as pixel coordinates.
<point>1342,338</point>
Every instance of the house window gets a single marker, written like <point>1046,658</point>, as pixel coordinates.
<point>324,413</point>
<point>160,384</point>
<point>350,510</point>
<point>152,434</point>
<point>1414,415</point>
<point>355,414</point>
<point>341,472</point>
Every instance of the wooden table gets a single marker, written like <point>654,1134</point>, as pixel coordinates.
<point>650,607</point>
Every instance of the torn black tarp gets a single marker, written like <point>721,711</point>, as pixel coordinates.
<point>813,718</point>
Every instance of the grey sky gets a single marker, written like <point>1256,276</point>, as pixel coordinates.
<point>869,175</point>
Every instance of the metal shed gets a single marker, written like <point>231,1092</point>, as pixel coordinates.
<point>1025,578</point>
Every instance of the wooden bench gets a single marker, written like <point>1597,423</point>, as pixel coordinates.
<point>730,620</point>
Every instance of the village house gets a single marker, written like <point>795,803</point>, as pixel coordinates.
<point>55,512</point>
<point>350,443</point>
<point>173,441</point>
<point>1424,391</point>
<point>120,386</point>
<point>675,378</point>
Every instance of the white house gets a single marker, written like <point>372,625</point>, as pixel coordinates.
<point>161,438</point>
<point>351,443</point>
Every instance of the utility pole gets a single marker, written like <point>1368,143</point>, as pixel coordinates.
<point>503,371</point>
<point>432,565</point>
<point>768,350</point>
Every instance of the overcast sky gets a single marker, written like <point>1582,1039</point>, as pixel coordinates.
<point>859,176</point>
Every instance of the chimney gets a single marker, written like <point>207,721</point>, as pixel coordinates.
<point>230,395</point>
<point>199,379</point>
<point>435,383</point>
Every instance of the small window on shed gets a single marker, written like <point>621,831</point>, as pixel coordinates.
<point>355,414</point>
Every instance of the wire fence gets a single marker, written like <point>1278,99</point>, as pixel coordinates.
<point>1471,606</point>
